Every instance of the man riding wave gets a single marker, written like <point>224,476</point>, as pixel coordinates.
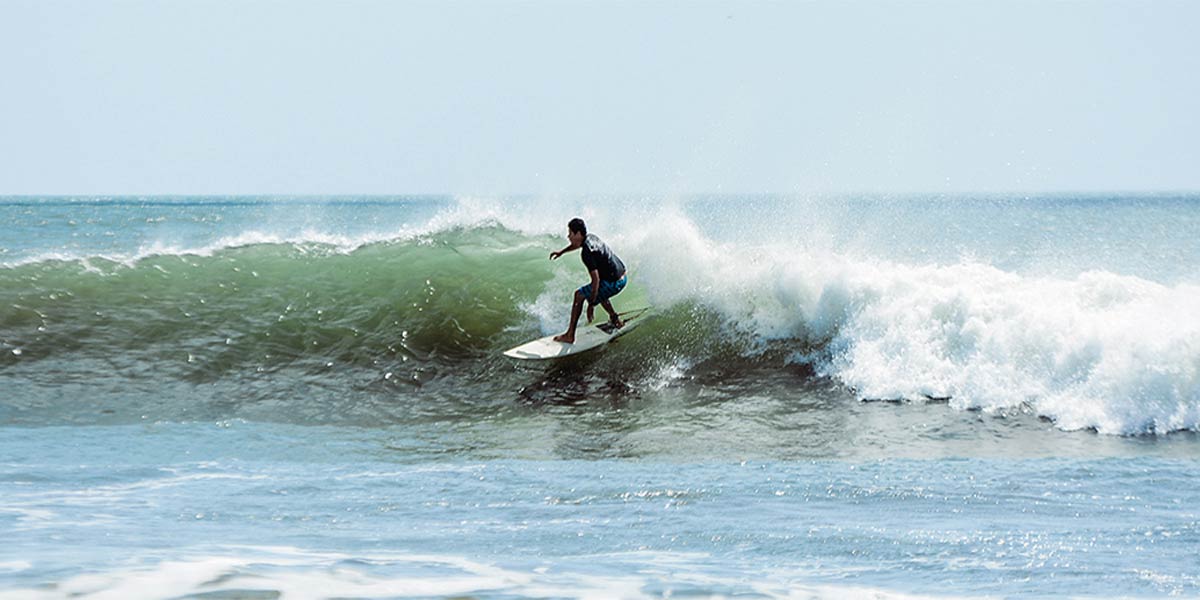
<point>607,272</point>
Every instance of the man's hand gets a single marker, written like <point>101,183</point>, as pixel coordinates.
<point>591,313</point>
<point>555,255</point>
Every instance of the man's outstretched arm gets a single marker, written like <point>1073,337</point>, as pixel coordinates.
<point>554,255</point>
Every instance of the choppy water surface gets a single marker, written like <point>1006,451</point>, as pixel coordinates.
<point>302,397</point>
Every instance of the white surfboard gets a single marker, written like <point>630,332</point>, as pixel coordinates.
<point>586,338</point>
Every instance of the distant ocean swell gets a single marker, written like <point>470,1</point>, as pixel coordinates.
<point>391,314</point>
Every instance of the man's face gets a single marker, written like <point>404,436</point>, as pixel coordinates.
<point>575,237</point>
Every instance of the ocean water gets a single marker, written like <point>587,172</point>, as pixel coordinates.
<point>836,396</point>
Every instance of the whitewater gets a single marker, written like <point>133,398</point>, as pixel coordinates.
<point>875,396</point>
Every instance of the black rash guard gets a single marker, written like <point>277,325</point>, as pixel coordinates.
<point>597,256</point>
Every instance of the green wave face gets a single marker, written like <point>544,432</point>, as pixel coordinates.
<point>264,306</point>
<point>304,333</point>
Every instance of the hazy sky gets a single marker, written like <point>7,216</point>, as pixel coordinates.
<point>108,97</point>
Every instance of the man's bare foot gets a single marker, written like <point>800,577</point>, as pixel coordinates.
<point>565,338</point>
<point>618,323</point>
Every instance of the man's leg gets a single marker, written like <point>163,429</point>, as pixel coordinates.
<point>576,310</point>
<point>607,293</point>
<point>613,317</point>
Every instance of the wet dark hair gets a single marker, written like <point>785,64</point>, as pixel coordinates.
<point>576,225</point>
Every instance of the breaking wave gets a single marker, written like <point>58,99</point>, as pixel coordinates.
<point>1097,349</point>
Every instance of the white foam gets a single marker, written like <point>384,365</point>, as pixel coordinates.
<point>669,373</point>
<point>15,566</point>
<point>1116,353</point>
<point>296,574</point>
<point>552,307</point>
<point>307,575</point>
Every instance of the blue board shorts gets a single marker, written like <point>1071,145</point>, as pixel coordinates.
<point>608,289</point>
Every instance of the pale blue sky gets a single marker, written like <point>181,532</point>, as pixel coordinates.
<point>130,97</point>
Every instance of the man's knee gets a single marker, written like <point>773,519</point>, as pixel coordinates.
<point>578,297</point>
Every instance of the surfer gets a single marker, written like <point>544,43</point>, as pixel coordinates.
<point>606,269</point>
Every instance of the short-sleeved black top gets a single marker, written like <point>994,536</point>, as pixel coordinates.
<point>598,257</point>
